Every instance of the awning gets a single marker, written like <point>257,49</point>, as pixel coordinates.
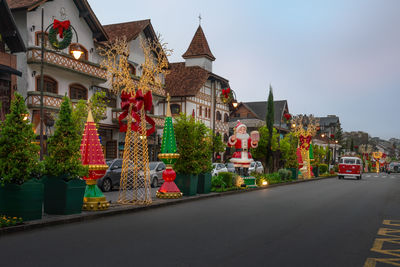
<point>7,69</point>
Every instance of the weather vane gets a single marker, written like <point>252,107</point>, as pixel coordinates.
<point>199,19</point>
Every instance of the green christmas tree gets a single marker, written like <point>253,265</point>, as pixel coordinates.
<point>19,156</point>
<point>168,144</point>
<point>64,157</point>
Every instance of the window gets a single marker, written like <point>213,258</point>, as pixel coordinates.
<point>201,111</point>
<point>219,116</point>
<point>226,117</point>
<point>84,56</point>
<point>38,39</point>
<point>132,69</point>
<point>209,112</point>
<point>226,138</point>
<point>49,84</point>
<point>349,161</point>
<point>175,108</point>
<point>77,91</point>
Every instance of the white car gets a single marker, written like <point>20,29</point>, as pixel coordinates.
<point>256,166</point>
<point>217,168</point>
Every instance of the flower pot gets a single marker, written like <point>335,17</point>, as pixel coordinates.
<point>187,183</point>
<point>62,197</point>
<point>24,200</point>
<point>204,183</point>
<point>315,170</point>
<point>295,173</point>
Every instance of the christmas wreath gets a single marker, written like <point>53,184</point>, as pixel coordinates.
<point>226,95</point>
<point>63,29</point>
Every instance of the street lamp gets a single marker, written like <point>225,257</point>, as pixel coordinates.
<point>76,51</point>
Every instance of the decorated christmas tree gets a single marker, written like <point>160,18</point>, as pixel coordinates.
<point>93,157</point>
<point>168,156</point>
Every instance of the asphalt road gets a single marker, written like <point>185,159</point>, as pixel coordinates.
<point>323,223</point>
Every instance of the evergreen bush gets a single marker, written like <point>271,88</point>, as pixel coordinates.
<point>64,157</point>
<point>227,177</point>
<point>323,168</point>
<point>19,155</point>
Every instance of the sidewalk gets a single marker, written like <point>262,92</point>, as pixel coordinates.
<point>49,220</point>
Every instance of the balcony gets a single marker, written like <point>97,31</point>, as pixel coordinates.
<point>66,62</point>
<point>50,101</point>
<point>159,120</point>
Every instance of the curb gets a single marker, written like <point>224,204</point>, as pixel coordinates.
<point>124,209</point>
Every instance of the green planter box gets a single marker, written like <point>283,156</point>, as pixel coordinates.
<point>295,173</point>
<point>187,183</point>
<point>62,197</point>
<point>24,200</point>
<point>315,170</point>
<point>204,183</point>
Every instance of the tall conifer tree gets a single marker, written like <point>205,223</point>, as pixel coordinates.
<point>270,124</point>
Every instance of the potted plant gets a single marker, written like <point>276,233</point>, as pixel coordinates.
<point>20,195</point>
<point>63,188</point>
<point>190,141</point>
<point>205,157</point>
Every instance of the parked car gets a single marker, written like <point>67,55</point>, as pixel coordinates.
<point>350,167</point>
<point>156,170</point>
<point>113,175</point>
<point>256,166</point>
<point>394,167</point>
<point>217,168</point>
<point>231,167</point>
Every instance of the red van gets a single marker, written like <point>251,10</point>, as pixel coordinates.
<point>350,167</point>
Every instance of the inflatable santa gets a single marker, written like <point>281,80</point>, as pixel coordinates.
<point>243,142</point>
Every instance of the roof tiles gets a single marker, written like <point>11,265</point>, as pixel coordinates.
<point>199,46</point>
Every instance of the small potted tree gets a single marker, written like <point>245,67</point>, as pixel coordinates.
<point>63,188</point>
<point>189,141</point>
<point>20,195</point>
<point>205,158</point>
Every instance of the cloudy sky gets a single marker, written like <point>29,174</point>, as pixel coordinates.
<point>337,57</point>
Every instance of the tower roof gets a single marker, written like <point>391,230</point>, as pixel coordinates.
<point>199,46</point>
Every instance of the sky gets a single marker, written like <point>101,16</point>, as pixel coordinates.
<point>338,57</point>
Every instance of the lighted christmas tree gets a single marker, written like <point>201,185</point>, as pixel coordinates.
<point>169,156</point>
<point>93,157</point>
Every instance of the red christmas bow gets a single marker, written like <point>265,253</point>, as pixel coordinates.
<point>226,92</point>
<point>305,141</point>
<point>287,116</point>
<point>137,103</point>
<point>61,26</point>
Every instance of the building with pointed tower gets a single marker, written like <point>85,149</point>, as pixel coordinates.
<point>196,90</point>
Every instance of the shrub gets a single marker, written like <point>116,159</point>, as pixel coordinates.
<point>194,143</point>
<point>64,157</point>
<point>9,221</point>
<point>19,155</point>
<point>284,174</point>
<point>323,168</point>
<point>217,182</point>
<point>227,177</point>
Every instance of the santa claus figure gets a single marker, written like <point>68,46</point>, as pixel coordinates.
<point>243,142</point>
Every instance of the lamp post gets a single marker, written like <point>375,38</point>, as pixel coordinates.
<point>76,52</point>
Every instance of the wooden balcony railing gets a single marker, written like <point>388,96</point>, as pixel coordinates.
<point>158,119</point>
<point>67,62</point>
<point>50,101</point>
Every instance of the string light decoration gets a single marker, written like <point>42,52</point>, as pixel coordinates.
<point>169,156</point>
<point>136,100</point>
<point>377,156</point>
<point>92,156</point>
<point>305,127</point>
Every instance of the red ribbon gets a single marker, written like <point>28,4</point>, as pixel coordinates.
<point>61,26</point>
<point>305,141</point>
<point>138,102</point>
<point>287,116</point>
<point>226,92</point>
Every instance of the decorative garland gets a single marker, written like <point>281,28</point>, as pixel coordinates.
<point>62,28</point>
<point>226,96</point>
